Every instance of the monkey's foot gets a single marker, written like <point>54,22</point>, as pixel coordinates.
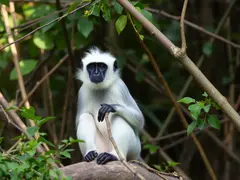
<point>91,155</point>
<point>105,157</point>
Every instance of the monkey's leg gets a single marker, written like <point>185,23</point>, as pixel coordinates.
<point>126,140</point>
<point>86,131</point>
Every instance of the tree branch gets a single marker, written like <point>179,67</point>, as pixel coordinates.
<point>186,62</point>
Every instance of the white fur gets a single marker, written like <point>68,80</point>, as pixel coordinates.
<point>125,123</point>
<point>95,55</point>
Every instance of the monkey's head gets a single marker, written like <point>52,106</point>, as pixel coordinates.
<point>99,69</point>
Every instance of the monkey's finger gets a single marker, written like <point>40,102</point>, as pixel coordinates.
<point>100,114</point>
<point>101,157</point>
<point>106,159</point>
<point>103,112</point>
<point>86,158</point>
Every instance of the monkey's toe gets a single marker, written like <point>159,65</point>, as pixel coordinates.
<point>105,157</point>
<point>91,155</point>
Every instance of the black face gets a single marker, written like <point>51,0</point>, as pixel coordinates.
<point>97,72</point>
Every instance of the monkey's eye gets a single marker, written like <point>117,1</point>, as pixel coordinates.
<point>102,66</point>
<point>91,66</point>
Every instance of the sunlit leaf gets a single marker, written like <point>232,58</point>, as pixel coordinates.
<point>26,66</point>
<point>187,100</point>
<point>42,40</point>
<point>195,110</point>
<point>43,121</point>
<point>121,23</point>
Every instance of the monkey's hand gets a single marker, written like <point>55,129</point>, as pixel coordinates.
<point>105,108</point>
<point>90,156</point>
<point>105,157</point>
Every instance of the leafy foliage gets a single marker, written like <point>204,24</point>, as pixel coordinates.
<point>166,167</point>
<point>199,110</point>
<point>5,2</point>
<point>22,161</point>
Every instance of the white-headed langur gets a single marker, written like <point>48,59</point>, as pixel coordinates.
<point>103,91</point>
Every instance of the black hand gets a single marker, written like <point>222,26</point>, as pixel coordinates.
<point>91,155</point>
<point>105,108</point>
<point>105,157</point>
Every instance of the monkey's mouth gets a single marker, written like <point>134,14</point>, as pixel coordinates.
<point>97,79</point>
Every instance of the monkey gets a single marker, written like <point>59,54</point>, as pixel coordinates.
<point>103,91</point>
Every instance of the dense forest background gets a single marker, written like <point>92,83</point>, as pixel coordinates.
<point>52,36</point>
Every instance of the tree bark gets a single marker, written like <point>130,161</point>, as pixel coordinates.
<point>112,171</point>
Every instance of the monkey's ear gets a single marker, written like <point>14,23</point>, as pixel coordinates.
<point>115,65</point>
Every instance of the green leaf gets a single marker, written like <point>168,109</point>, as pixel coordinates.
<point>207,49</point>
<point>66,154</point>
<point>172,163</point>
<point>206,108</point>
<point>96,11</point>
<point>201,124</point>
<point>43,121</point>
<point>195,110</point>
<point>73,6</point>
<point>118,8</point>
<point>29,113</point>
<point>65,141</point>
<point>213,121</point>
<point>205,94</point>
<point>32,130</point>
<point>158,167</point>
<point>5,2</point>
<point>191,127</point>
<point>42,40</point>
<point>12,108</point>
<point>85,26</point>
<point>31,152</point>
<point>147,15</point>
<point>121,23</point>
<point>107,14</point>
<point>26,66</point>
<point>152,148</point>
<point>71,140</point>
<point>140,76</point>
<point>187,100</point>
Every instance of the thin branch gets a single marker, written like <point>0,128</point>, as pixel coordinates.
<point>184,45</point>
<point>195,26</point>
<point>117,150</point>
<point>42,80</point>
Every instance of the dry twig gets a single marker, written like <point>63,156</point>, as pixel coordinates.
<point>117,150</point>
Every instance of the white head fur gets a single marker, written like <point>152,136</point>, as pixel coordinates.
<point>96,55</point>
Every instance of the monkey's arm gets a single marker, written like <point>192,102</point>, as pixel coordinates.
<point>86,130</point>
<point>133,116</point>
